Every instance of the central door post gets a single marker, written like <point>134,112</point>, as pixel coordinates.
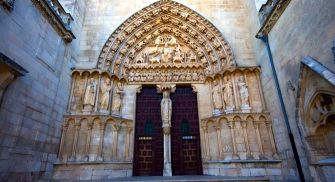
<point>166,113</point>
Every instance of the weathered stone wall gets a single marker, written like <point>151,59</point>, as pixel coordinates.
<point>103,17</point>
<point>305,28</point>
<point>32,110</point>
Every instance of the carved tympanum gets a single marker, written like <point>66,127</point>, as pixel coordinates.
<point>166,42</point>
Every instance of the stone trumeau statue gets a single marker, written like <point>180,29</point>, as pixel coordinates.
<point>117,98</point>
<point>228,95</point>
<point>217,98</point>
<point>166,109</point>
<point>90,93</point>
<point>105,89</point>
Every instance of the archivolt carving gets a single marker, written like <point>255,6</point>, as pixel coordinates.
<point>320,108</point>
<point>166,36</point>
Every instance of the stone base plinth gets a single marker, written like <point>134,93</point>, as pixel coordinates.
<point>271,169</point>
<point>92,171</point>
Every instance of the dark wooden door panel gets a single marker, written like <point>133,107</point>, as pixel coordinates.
<point>185,136</point>
<point>148,150</point>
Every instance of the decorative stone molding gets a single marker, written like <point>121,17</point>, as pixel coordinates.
<point>57,17</point>
<point>269,14</point>
<point>7,4</point>
<point>320,69</point>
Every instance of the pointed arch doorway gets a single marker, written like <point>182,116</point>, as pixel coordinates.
<point>185,135</point>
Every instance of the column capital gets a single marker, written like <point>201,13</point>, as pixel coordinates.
<point>231,124</point>
<point>244,123</point>
<point>116,127</point>
<point>90,125</point>
<point>171,88</point>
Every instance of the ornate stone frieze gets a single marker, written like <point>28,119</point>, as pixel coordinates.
<point>57,17</point>
<point>270,13</point>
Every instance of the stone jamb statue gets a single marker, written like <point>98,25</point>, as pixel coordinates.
<point>117,98</point>
<point>105,89</point>
<point>217,98</point>
<point>90,93</point>
<point>228,95</point>
<point>244,94</point>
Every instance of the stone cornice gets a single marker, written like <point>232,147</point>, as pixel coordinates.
<point>320,69</point>
<point>57,17</point>
<point>269,15</point>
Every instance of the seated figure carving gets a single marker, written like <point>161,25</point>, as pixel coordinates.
<point>178,55</point>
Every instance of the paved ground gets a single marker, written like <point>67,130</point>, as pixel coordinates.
<point>200,178</point>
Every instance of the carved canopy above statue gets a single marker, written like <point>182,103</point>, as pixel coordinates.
<point>166,42</point>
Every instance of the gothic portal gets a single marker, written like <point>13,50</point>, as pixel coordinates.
<point>166,98</point>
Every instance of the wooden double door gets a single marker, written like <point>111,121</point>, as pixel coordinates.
<point>185,137</point>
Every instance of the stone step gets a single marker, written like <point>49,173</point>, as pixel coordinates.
<point>193,178</point>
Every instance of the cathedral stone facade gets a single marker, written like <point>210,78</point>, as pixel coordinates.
<point>103,90</point>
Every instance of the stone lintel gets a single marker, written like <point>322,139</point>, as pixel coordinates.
<point>57,17</point>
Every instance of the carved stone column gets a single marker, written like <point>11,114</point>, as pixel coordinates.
<point>166,112</point>
<point>61,147</point>
<point>116,129</point>
<point>246,140</point>
<point>205,129</point>
<point>88,140</point>
<point>75,141</point>
<point>101,142</point>
<point>273,144</point>
<point>259,141</point>
<point>218,136</point>
<point>97,94</point>
<point>127,145</point>
<point>231,125</point>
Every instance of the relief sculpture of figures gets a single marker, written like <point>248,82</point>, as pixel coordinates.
<point>217,99</point>
<point>244,94</point>
<point>117,98</point>
<point>90,93</point>
<point>166,54</point>
<point>77,95</point>
<point>178,57</point>
<point>228,95</point>
<point>105,89</point>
